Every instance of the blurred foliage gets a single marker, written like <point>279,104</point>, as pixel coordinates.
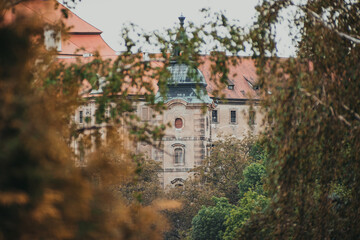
<point>312,158</point>
<point>314,104</point>
<point>114,193</point>
<point>145,187</point>
<point>42,194</point>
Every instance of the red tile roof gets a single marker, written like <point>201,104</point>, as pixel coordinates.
<point>242,75</point>
<point>92,44</point>
<point>86,39</point>
<point>45,8</point>
<point>70,48</point>
<point>82,38</point>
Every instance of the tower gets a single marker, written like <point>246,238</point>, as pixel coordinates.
<point>185,142</point>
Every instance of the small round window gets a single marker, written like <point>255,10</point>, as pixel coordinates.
<point>178,123</point>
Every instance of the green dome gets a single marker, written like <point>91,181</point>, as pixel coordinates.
<point>185,74</point>
<point>186,82</point>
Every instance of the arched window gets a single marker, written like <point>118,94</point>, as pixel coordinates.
<point>178,182</point>
<point>178,123</point>
<point>179,156</point>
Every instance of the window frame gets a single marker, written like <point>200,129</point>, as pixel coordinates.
<point>178,146</point>
<point>182,123</point>
<point>177,182</point>
<point>231,117</point>
<point>217,116</point>
<point>182,157</point>
<point>252,117</point>
<point>145,113</point>
<point>81,117</point>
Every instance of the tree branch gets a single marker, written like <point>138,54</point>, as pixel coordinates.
<point>11,3</point>
<point>339,116</point>
<point>328,26</point>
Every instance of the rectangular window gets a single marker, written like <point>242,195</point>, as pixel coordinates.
<point>52,39</point>
<point>251,117</point>
<point>233,116</point>
<point>145,114</point>
<point>80,116</point>
<point>214,116</point>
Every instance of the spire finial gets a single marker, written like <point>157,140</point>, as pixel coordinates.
<point>181,18</point>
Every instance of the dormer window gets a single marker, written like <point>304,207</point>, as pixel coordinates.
<point>252,83</point>
<point>231,85</point>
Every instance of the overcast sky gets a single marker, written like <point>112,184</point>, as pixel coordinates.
<point>110,15</point>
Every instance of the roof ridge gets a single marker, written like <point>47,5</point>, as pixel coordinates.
<point>100,31</point>
<point>42,15</point>
<point>79,48</point>
<point>107,44</point>
<point>71,13</point>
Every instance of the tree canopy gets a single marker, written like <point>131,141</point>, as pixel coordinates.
<point>314,104</point>
<point>209,222</point>
<point>313,167</point>
<point>43,195</point>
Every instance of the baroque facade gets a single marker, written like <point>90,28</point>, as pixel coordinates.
<point>196,116</point>
<point>196,123</point>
